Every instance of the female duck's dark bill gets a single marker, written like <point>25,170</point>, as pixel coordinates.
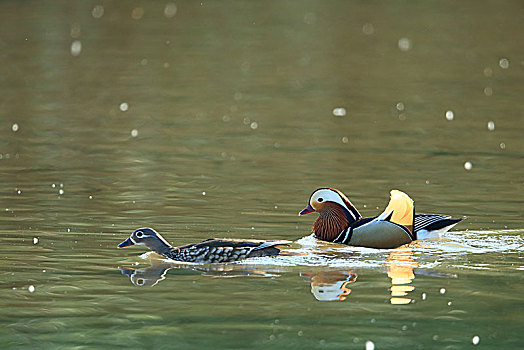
<point>126,243</point>
<point>307,210</point>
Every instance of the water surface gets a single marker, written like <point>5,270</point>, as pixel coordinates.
<point>216,119</point>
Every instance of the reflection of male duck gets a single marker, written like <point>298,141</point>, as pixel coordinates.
<point>330,285</point>
<point>400,265</point>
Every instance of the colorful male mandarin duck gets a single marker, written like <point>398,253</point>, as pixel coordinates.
<point>340,222</point>
<point>213,250</point>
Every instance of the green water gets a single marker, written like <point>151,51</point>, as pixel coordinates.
<point>216,119</point>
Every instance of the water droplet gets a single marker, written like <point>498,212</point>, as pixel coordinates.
<point>339,112</point>
<point>345,139</point>
<point>491,125</point>
<point>404,328</point>
<point>68,230</point>
<point>31,289</point>
<point>19,192</point>
<point>424,296</point>
<point>442,290</point>
<point>368,29</point>
<point>449,303</point>
<point>134,133</point>
<point>53,185</point>
<point>300,333</point>
<point>468,165</point>
<point>203,193</point>
<point>310,18</point>
<point>246,121</point>
<point>98,11</point>
<point>14,127</point>
<point>137,13</point>
<point>170,10</point>
<point>475,340</point>
<point>124,106</point>
<point>502,145</point>
<point>35,240</point>
<point>427,182</point>
<point>400,106</point>
<point>76,47</point>
<point>450,115</point>
<point>90,197</point>
<point>254,125</point>
<point>504,63</point>
<point>404,44</point>
<point>252,228</point>
<point>61,185</point>
<point>61,191</point>
<point>370,345</point>
<point>304,60</point>
<point>488,91</point>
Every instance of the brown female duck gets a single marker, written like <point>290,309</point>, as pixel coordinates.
<point>213,250</point>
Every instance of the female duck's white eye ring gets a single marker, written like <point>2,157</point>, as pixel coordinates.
<point>139,234</point>
<point>140,281</point>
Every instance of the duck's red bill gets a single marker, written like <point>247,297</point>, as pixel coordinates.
<point>126,243</point>
<point>307,210</point>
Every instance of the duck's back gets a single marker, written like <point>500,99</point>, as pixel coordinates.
<point>226,250</point>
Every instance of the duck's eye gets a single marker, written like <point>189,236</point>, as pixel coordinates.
<point>320,200</point>
<point>140,282</point>
<point>140,234</point>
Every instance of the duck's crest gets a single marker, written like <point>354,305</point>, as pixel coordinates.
<point>352,210</point>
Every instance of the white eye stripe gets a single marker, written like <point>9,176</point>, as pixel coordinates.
<point>139,234</point>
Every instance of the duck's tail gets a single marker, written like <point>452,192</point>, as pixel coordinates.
<point>433,225</point>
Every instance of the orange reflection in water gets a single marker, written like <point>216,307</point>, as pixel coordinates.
<point>400,265</point>
<point>330,285</point>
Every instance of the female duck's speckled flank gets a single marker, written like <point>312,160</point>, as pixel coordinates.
<point>209,251</point>
<point>340,222</point>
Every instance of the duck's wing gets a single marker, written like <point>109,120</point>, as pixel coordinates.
<point>400,210</point>
<point>237,243</point>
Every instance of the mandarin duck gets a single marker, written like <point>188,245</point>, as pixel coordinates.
<point>212,250</point>
<point>340,222</point>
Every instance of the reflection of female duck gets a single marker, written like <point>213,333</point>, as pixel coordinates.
<point>150,276</point>
<point>209,251</point>
<point>340,222</point>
